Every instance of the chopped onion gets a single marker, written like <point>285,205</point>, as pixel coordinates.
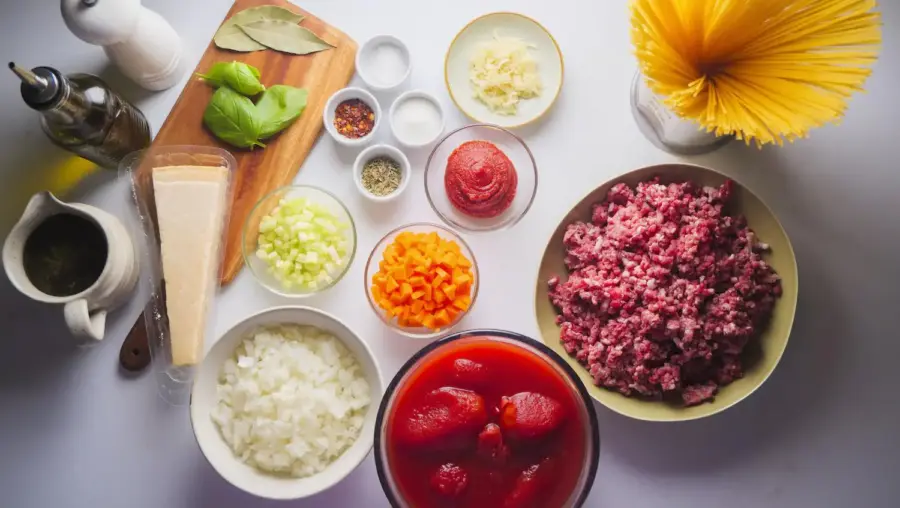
<point>502,73</point>
<point>303,243</point>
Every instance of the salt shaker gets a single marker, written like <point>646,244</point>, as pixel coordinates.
<point>667,130</point>
<point>142,44</point>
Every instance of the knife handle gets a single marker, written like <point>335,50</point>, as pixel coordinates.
<point>135,353</point>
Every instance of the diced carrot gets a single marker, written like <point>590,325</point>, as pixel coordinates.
<point>398,272</point>
<point>450,260</point>
<point>462,303</point>
<point>449,290</point>
<point>405,239</point>
<point>423,280</point>
<point>441,318</point>
<point>391,285</point>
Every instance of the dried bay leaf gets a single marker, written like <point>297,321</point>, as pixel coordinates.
<point>229,36</point>
<point>284,36</point>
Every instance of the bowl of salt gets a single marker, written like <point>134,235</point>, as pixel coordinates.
<point>383,63</point>
<point>416,119</point>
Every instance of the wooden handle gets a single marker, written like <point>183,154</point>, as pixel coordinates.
<point>135,353</point>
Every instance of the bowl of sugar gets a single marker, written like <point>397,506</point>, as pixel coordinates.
<point>383,63</point>
<point>416,119</point>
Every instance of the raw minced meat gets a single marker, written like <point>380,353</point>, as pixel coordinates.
<point>664,291</point>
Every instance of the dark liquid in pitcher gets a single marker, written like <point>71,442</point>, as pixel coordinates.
<point>65,255</point>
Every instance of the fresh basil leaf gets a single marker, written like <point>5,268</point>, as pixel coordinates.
<point>229,36</point>
<point>241,77</point>
<point>232,118</point>
<point>278,107</point>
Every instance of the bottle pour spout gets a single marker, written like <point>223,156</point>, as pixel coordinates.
<point>28,77</point>
<point>40,86</point>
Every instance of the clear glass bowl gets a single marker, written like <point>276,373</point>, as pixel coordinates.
<point>514,148</point>
<point>250,237</point>
<point>413,367</point>
<point>378,254</point>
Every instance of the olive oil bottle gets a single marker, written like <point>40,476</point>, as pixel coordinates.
<point>80,113</point>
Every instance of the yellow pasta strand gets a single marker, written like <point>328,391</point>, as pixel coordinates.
<point>761,70</point>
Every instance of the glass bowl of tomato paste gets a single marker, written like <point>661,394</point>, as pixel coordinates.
<point>481,178</point>
<point>486,418</point>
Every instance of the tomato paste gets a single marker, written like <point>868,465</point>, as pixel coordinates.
<point>480,180</point>
<point>486,423</point>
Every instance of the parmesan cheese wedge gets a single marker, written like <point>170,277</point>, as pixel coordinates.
<point>190,211</point>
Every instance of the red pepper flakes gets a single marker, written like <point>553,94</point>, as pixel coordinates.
<point>354,118</point>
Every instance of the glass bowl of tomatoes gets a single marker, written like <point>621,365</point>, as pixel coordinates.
<point>486,418</point>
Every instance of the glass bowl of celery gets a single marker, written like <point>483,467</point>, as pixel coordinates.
<point>299,240</point>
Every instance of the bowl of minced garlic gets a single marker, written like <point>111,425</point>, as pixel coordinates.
<point>381,172</point>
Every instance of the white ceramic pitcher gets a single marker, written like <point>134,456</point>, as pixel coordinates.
<point>85,312</point>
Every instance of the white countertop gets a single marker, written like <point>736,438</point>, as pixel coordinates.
<point>74,432</point>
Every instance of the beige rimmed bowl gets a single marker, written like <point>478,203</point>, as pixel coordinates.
<point>545,51</point>
<point>772,340</point>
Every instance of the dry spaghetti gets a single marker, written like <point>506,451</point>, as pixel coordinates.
<point>762,70</point>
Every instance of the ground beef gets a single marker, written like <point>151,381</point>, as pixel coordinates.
<point>664,291</point>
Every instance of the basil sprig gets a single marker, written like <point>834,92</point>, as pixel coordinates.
<point>233,118</point>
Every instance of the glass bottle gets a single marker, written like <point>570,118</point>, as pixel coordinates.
<point>665,129</point>
<point>80,113</point>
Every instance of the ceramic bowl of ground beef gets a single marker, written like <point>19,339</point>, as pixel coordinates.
<point>671,290</point>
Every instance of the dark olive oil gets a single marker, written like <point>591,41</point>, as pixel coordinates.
<point>65,255</point>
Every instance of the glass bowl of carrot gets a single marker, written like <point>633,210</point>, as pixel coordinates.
<point>421,280</point>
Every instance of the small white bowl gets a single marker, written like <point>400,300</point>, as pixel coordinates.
<point>381,151</point>
<point>416,94</point>
<point>346,94</point>
<point>204,399</point>
<point>365,61</point>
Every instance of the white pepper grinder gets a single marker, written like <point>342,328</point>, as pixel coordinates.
<point>142,44</point>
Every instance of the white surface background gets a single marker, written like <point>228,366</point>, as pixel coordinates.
<point>74,432</point>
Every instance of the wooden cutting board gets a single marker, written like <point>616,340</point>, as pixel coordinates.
<point>261,170</point>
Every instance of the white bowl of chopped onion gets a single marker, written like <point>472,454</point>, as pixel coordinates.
<point>505,69</point>
<point>299,240</point>
<point>284,404</point>
<point>375,175</point>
